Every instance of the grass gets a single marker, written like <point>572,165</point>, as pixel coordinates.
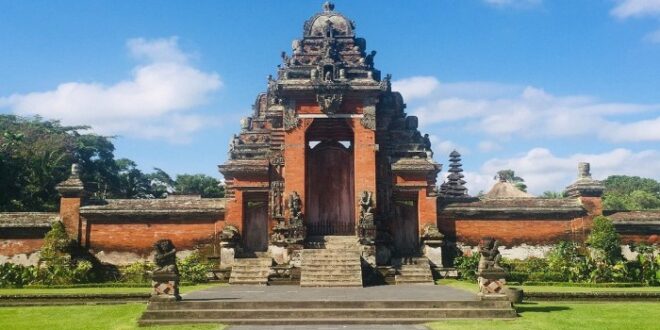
<point>91,317</point>
<point>466,285</point>
<point>100,290</point>
<point>568,315</point>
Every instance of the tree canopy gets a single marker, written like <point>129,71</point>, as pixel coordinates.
<point>510,176</point>
<point>36,155</point>
<point>631,193</point>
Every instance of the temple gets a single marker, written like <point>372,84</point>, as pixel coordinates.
<point>329,183</point>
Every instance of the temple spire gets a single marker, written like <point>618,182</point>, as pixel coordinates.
<point>455,185</point>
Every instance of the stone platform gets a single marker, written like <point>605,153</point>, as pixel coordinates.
<point>293,305</point>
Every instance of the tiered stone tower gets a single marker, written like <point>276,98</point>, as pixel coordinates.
<point>329,150</point>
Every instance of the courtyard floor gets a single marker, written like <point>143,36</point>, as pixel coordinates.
<point>296,293</point>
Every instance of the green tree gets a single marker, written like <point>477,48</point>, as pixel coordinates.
<point>199,184</point>
<point>631,193</point>
<point>510,176</point>
<point>604,238</point>
<point>132,182</point>
<point>552,195</point>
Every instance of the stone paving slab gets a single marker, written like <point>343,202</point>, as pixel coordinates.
<point>329,327</point>
<point>406,292</point>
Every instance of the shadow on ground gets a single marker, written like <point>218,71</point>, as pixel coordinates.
<point>535,308</point>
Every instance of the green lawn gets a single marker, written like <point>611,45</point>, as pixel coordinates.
<point>91,317</point>
<point>569,315</point>
<point>105,290</point>
<point>465,285</point>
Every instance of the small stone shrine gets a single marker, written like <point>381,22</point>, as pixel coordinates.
<point>165,278</point>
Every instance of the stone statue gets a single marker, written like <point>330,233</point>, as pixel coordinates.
<point>229,236</point>
<point>165,257</point>
<point>490,256</point>
<point>369,59</point>
<point>426,142</point>
<point>295,206</point>
<point>165,278</point>
<point>365,204</point>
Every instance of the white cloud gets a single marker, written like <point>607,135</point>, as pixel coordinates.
<point>653,37</point>
<point>152,103</point>
<point>488,146</point>
<point>636,8</point>
<point>442,148</point>
<point>542,170</point>
<point>514,3</point>
<point>504,111</point>
<point>416,87</point>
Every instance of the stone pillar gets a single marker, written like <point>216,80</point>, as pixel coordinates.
<point>433,240</point>
<point>589,192</point>
<point>71,191</point>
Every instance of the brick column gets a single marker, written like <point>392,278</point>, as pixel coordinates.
<point>364,150</point>
<point>71,192</point>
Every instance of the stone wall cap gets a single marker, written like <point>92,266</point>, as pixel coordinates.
<point>28,219</point>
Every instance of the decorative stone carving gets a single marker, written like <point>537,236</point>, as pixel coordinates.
<point>245,123</point>
<point>585,186</point>
<point>290,119</point>
<point>230,236</point>
<point>277,199</point>
<point>73,186</point>
<point>293,232</point>
<point>366,223</point>
<point>165,278</point>
<point>329,103</point>
<point>369,114</point>
<point>491,275</point>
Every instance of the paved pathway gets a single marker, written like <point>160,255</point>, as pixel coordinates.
<point>410,292</point>
<point>328,327</point>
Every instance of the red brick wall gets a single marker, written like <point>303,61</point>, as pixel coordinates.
<point>637,239</point>
<point>364,161</point>
<point>70,214</point>
<point>508,232</point>
<point>138,236</point>
<point>13,246</point>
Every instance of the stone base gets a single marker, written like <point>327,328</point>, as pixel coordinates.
<point>165,287</point>
<point>491,286</point>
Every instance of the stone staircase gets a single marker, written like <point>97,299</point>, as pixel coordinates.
<point>252,271</point>
<point>419,272</point>
<point>335,263</point>
<point>289,312</point>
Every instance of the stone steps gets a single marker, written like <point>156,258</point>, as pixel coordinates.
<point>417,273</point>
<point>322,312</point>
<point>336,265</point>
<point>250,271</point>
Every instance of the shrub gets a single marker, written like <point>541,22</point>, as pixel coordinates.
<point>648,263</point>
<point>567,259</point>
<point>193,268</point>
<point>55,263</point>
<point>13,275</point>
<point>467,266</point>
<point>604,239</point>
<point>137,272</point>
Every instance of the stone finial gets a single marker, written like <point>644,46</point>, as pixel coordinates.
<point>584,170</point>
<point>585,186</point>
<point>328,6</point>
<point>73,186</point>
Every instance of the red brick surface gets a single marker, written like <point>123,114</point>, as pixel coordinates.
<point>11,247</point>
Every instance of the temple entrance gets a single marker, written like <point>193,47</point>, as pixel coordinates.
<point>255,227</point>
<point>404,228</point>
<point>330,206</point>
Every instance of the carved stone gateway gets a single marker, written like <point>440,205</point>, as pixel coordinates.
<point>332,152</point>
<point>165,278</point>
<point>490,274</point>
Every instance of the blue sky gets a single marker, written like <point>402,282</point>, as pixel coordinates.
<point>532,85</point>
